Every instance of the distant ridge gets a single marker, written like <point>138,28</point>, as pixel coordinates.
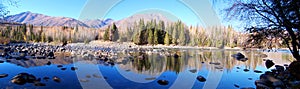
<point>37,19</point>
<point>45,20</point>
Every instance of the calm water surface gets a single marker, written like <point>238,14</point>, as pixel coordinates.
<point>130,71</point>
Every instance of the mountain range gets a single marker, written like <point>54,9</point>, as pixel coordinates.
<point>37,19</point>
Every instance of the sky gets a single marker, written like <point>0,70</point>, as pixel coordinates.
<point>119,9</point>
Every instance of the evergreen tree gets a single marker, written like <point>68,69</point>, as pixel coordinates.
<point>150,37</point>
<point>155,36</point>
<point>167,39</point>
<point>114,32</point>
<point>174,34</point>
<point>106,35</point>
<point>182,38</point>
<point>43,38</point>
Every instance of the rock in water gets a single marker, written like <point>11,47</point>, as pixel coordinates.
<point>201,79</point>
<point>257,71</point>
<point>238,56</point>
<point>237,86</point>
<point>193,70</point>
<point>163,82</point>
<point>294,69</point>
<point>56,79</point>
<point>39,84</point>
<point>48,63</point>
<point>269,63</point>
<point>74,68</point>
<point>279,68</point>
<point>3,75</point>
<point>23,78</point>
<point>246,70</point>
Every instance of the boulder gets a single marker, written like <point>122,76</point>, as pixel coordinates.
<point>294,69</point>
<point>279,68</point>
<point>269,63</point>
<point>23,78</point>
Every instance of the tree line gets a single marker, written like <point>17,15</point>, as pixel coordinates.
<point>175,33</point>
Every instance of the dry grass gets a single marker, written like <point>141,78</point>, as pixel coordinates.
<point>4,40</point>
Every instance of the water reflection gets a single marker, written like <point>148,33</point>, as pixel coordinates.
<point>149,67</point>
<point>195,59</point>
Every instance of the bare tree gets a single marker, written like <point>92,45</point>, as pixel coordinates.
<point>271,14</point>
<point>3,7</point>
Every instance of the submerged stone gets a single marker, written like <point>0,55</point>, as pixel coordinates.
<point>56,79</point>
<point>23,78</point>
<point>39,84</point>
<point>201,78</point>
<point>246,70</point>
<point>237,86</point>
<point>96,76</point>
<point>163,82</point>
<point>3,75</point>
<point>193,70</point>
<point>257,71</point>
<point>48,63</point>
<point>74,68</point>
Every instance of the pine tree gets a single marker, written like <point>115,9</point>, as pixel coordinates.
<point>114,33</point>
<point>150,37</point>
<point>182,38</point>
<point>106,35</point>
<point>43,38</point>
<point>174,34</point>
<point>155,36</point>
<point>167,39</point>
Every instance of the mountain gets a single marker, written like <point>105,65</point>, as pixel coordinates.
<point>44,20</point>
<point>97,23</point>
<point>125,23</point>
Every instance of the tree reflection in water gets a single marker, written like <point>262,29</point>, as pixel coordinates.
<point>213,60</point>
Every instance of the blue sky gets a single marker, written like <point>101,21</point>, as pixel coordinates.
<point>91,9</point>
